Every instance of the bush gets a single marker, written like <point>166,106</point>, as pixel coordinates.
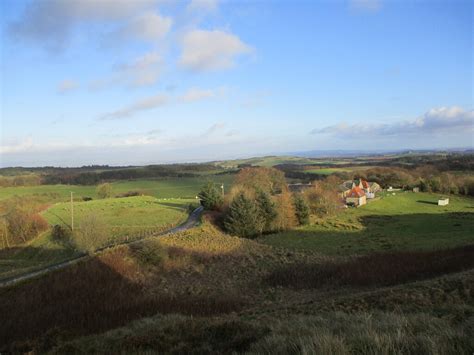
<point>86,198</point>
<point>301,209</point>
<point>128,194</point>
<point>60,233</point>
<point>23,225</point>
<point>211,196</point>
<point>104,190</point>
<point>91,234</point>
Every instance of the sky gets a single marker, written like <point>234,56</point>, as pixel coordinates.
<point>132,82</point>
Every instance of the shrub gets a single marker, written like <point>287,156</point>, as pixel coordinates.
<point>91,234</point>
<point>211,196</point>
<point>23,225</point>
<point>128,194</point>
<point>301,209</point>
<point>104,190</point>
<point>60,233</point>
<point>86,198</point>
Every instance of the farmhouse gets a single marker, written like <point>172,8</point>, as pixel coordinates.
<point>356,196</point>
<point>370,188</point>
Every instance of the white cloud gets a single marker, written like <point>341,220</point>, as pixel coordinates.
<point>366,5</point>
<point>67,86</point>
<point>211,50</point>
<point>141,105</point>
<point>145,70</point>
<point>142,71</point>
<point>197,94</point>
<point>435,121</point>
<point>202,5</point>
<point>52,22</point>
<point>148,26</point>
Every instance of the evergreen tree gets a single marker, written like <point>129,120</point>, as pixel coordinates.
<point>301,209</point>
<point>266,209</point>
<point>211,196</point>
<point>244,218</point>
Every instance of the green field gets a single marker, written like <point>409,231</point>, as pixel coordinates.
<point>405,221</point>
<point>329,171</point>
<point>160,188</point>
<point>126,219</point>
<point>130,216</point>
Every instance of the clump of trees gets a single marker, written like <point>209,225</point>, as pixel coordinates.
<point>258,203</point>
<point>104,190</point>
<point>323,197</point>
<point>20,223</point>
<point>211,196</point>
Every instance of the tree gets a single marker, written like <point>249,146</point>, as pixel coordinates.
<point>286,217</point>
<point>104,190</point>
<point>269,180</point>
<point>211,196</point>
<point>266,209</point>
<point>243,218</point>
<point>301,209</point>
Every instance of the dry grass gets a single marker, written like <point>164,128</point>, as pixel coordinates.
<point>376,269</point>
<point>92,296</point>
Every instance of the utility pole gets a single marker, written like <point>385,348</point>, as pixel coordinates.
<point>72,212</point>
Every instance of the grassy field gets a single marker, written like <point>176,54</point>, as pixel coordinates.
<point>204,291</point>
<point>126,219</point>
<point>160,188</point>
<point>406,221</point>
<point>124,216</point>
<point>329,171</point>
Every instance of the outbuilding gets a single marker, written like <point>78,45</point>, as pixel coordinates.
<point>443,201</point>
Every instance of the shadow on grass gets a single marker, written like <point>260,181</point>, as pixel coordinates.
<point>380,269</point>
<point>175,206</point>
<point>19,259</point>
<point>89,297</point>
<point>427,202</point>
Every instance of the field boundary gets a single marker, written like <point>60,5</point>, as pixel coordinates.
<point>191,221</point>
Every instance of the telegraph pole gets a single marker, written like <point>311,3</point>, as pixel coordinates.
<point>72,212</point>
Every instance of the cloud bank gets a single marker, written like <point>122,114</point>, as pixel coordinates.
<point>435,121</point>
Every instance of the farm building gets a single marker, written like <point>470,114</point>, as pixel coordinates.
<point>369,188</point>
<point>356,196</point>
<point>443,201</point>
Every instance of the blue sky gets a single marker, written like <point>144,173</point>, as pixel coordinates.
<point>145,81</point>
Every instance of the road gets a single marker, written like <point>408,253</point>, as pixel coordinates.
<point>191,222</point>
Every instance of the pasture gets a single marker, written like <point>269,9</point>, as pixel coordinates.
<point>130,216</point>
<point>159,188</point>
<point>405,221</point>
<point>125,219</point>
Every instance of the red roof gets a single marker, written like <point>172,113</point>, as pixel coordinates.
<point>356,192</point>
<point>365,184</point>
